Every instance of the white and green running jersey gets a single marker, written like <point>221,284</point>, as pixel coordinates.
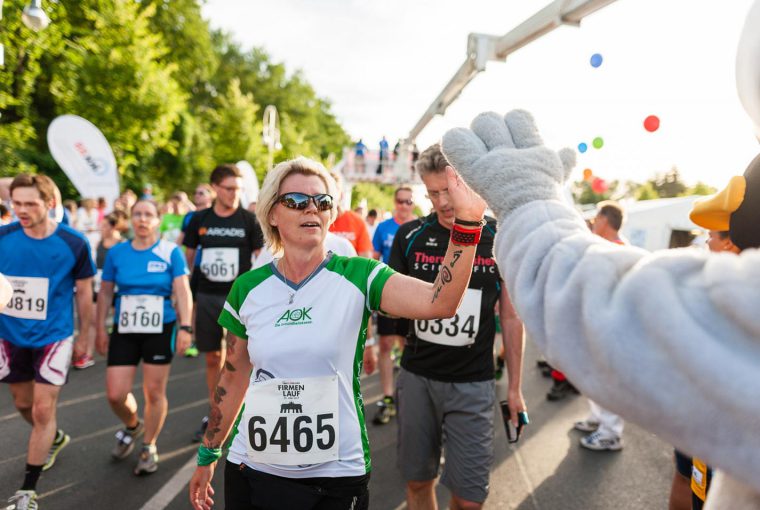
<point>304,414</point>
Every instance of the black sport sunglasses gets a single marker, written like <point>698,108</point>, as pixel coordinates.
<point>300,201</point>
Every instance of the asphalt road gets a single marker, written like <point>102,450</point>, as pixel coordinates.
<point>547,470</point>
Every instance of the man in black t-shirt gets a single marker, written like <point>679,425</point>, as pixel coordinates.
<point>447,373</point>
<point>228,237</point>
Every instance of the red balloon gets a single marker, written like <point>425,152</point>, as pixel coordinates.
<point>599,185</point>
<point>652,123</point>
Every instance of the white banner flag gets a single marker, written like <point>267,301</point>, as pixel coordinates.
<point>250,183</point>
<point>83,152</point>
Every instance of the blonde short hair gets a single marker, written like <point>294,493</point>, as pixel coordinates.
<point>270,190</point>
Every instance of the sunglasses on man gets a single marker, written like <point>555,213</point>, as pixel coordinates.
<point>404,202</point>
<point>300,201</point>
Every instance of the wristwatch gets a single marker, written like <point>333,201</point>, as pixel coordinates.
<point>189,329</point>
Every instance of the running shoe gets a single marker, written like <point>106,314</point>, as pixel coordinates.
<point>560,390</point>
<point>83,361</point>
<point>148,462</point>
<point>23,500</point>
<point>198,436</point>
<point>59,443</point>
<point>596,441</point>
<point>125,441</point>
<point>191,352</point>
<point>386,409</point>
<point>587,425</point>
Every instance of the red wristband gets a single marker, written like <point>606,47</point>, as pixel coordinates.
<point>465,236</point>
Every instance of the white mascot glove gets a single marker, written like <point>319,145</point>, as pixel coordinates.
<point>504,160</point>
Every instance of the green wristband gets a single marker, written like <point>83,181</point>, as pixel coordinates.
<point>208,456</point>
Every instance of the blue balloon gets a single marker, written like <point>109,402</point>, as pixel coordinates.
<point>582,147</point>
<point>596,60</point>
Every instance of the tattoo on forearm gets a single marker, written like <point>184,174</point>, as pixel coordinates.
<point>229,367</point>
<point>218,394</point>
<point>444,276</point>
<point>454,257</point>
<point>214,423</point>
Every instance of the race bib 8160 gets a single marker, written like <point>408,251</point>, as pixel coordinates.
<point>141,314</point>
<point>292,421</point>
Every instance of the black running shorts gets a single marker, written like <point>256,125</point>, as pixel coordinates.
<point>154,348</point>
<point>245,488</point>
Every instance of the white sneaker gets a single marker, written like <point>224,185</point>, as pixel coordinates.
<point>23,500</point>
<point>598,442</point>
<point>587,425</point>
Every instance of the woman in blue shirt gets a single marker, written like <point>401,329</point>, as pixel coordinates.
<point>145,272</point>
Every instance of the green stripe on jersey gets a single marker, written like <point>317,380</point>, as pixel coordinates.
<point>361,272</point>
<point>230,316</point>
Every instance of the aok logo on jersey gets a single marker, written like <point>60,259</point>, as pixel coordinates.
<point>295,317</point>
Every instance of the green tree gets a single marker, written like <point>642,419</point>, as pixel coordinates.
<point>234,129</point>
<point>114,77</point>
<point>188,37</point>
<point>669,184</point>
<point>700,188</point>
<point>25,52</point>
<point>378,196</point>
<point>646,192</point>
<point>172,97</point>
<point>308,127</point>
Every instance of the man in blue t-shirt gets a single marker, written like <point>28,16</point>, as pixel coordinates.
<point>44,261</point>
<point>391,331</point>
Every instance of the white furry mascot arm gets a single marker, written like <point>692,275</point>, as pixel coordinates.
<point>670,341</point>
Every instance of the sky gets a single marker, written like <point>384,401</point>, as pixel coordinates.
<point>381,64</point>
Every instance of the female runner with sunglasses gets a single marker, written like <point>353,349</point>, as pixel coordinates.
<point>297,328</point>
<point>147,271</point>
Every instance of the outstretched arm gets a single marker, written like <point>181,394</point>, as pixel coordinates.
<point>667,340</point>
<point>408,297</point>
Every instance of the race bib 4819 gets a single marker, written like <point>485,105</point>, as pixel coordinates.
<point>30,298</point>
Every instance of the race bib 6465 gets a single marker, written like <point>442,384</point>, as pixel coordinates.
<point>292,421</point>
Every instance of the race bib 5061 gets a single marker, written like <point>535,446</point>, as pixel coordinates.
<point>220,264</point>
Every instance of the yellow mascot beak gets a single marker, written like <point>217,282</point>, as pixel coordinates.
<point>714,212</point>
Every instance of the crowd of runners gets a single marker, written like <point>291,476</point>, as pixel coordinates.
<point>289,300</point>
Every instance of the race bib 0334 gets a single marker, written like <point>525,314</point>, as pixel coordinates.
<point>458,331</point>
